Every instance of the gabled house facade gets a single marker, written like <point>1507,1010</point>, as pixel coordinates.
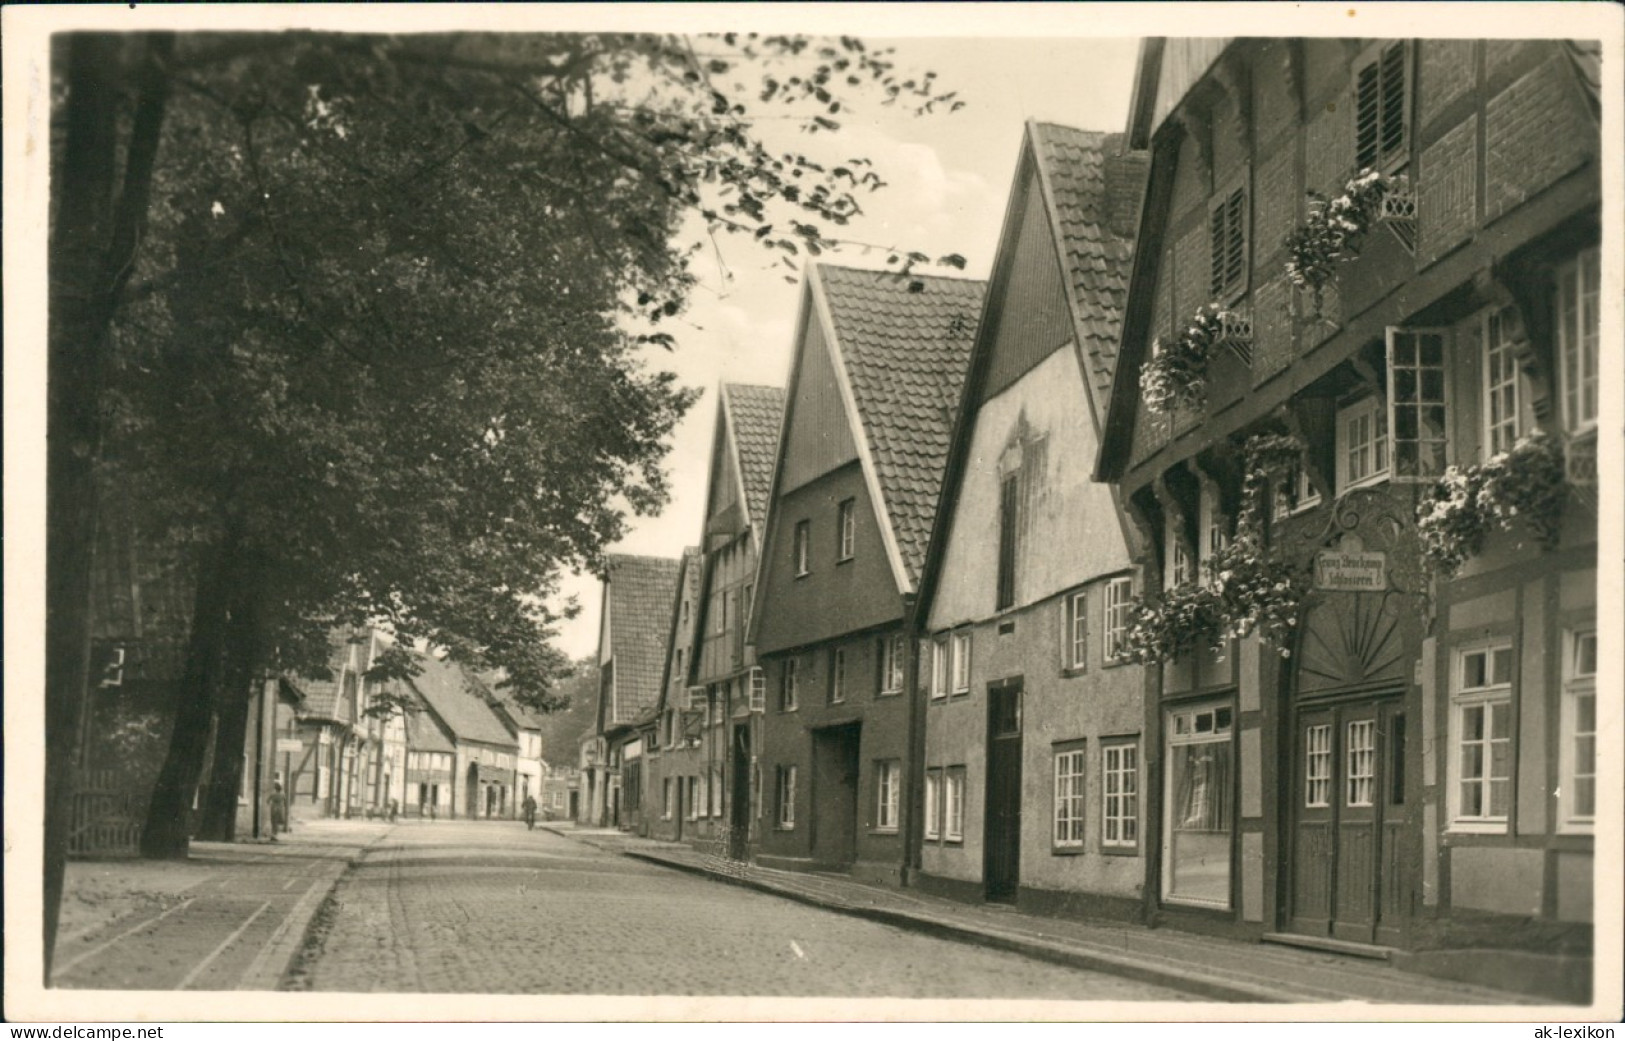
<point>638,594</point>
<point>1032,767</point>
<point>878,357</point>
<point>1410,761</point>
<point>326,775</point>
<point>484,756</point>
<point>678,753</point>
<point>525,724</point>
<point>722,666</point>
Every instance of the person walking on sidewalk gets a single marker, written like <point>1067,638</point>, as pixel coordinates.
<point>279,810</point>
<point>530,812</point>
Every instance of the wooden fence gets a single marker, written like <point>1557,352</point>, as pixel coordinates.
<point>107,819</point>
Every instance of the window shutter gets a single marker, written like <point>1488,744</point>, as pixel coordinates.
<point>1235,256</point>
<point>1379,108</point>
<point>1393,100</point>
<point>1367,116</point>
<point>1216,229</point>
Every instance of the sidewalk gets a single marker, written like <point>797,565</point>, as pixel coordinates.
<point>1209,967</point>
<point>229,917</point>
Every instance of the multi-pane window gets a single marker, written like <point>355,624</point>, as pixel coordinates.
<point>1119,606</point>
<point>1075,637</point>
<point>1362,444</point>
<point>1009,501</point>
<point>1482,753</point>
<point>1294,491</point>
<point>1502,331</point>
<point>1198,801</point>
<point>1578,285</point>
<point>846,527</point>
<point>961,662</point>
<point>785,797</point>
<point>888,788</point>
<point>1578,790</point>
<point>758,690</point>
<point>1416,403</point>
<point>1227,222</point>
<point>939,668</point>
<point>1069,793</point>
<point>1176,555</point>
<point>1215,533</point>
<point>1317,766</point>
<point>1360,766</point>
<point>803,537</point>
<point>932,824</point>
<point>837,675</point>
<point>787,686</point>
<point>1120,795</point>
<point>892,652</point>
<point>953,804</point>
<point>1380,109</point>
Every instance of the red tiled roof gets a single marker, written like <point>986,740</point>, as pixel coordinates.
<point>755,414</point>
<point>1073,171</point>
<point>455,697</point>
<point>905,354</point>
<point>423,734</point>
<point>639,599</point>
<point>321,696</point>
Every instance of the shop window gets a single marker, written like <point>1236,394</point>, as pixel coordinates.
<point>1417,419</point>
<point>1198,823</point>
<point>1481,739</point>
<point>1120,795</point>
<point>1069,796</point>
<point>1577,792</point>
<point>1578,286</point>
<point>1382,108</point>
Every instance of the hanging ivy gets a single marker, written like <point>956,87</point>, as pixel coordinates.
<point>1176,373</point>
<point>1524,485</point>
<point>1335,230</point>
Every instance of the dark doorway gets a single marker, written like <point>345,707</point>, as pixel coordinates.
<point>473,789</point>
<point>1001,847</point>
<point>1350,879</point>
<point>835,795</point>
<point>739,795</point>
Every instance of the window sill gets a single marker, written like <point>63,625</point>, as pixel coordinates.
<point>939,699</point>
<point>1365,482</point>
<point>1119,851</point>
<point>1115,663</point>
<point>956,842</point>
<point>883,831</point>
<point>845,560</point>
<point>1067,851</point>
<point>1073,671</point>
<point>888,693</point>
<point>1476,828</point>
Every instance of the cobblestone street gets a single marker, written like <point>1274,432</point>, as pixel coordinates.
<point>490,907</point>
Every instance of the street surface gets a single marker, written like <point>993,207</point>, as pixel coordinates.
<point>488,907</point>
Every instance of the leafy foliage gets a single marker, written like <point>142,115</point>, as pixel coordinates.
<point>1525,484</point>
<point>1335,230</point>
<point>1176,373</point>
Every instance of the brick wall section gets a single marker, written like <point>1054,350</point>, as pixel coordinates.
<point>1447,72</point>
<point>1272,324</point>
<point>1193,264</point>
<point>1498,54</point>
<point>1275,203</point>
<point>1230,142</point>
<point>1317,329</point>
<point>1162,322</point>
<point>1535,133</point>
<point>1275,104</point>
<point>1125,185</point>
<point>1151,432</point>
<point>1446,190</point>
<point>1330,148</point>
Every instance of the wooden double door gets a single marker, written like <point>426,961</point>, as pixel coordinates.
<point>1350,875</point>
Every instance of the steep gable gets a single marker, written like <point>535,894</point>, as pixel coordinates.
<point>455,697</point>
<point>754,416</point>
<point>638,594</point>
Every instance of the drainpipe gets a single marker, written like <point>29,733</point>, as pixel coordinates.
<point>914,763</point>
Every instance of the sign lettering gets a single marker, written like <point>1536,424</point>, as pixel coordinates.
<point>1358,572</point>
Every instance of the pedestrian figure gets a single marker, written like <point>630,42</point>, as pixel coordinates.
<point>530,812</point>
<point>279,810</point>
<point>394,809</point>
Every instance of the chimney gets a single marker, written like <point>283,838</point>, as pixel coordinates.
<point>1125,184</point>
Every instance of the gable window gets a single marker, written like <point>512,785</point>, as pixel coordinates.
<point>1381,109</point>
<point>1416,403</point>
<point>933,803</point>
<point>787,686</point>
<point>1502,332</point>
<point>1577,791</point>
<point>1120,795</point>
<point>1227,222</point>
<point>758,690</point>
<point>1578,284</point>
<point>785,797</point>
<point>1075,636</point>
<point>1069,794</point>
<point>803,536</point>
<point>847,528</point>
<point>1119,605</point>
<point>939,668</point>
<point>888,787</point>
<point>1008,501</point>
<point>961,663</point>
<point>837,675</point>
<point>1362,444</point>
<point>953,804</point>
<point>1481,745</point>
<point>891,664</point>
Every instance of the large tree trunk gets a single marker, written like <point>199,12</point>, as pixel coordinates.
<point>243,648</point>
<point>92,251</point>
<point>168,827</point>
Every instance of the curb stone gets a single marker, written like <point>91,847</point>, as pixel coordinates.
<point>270,970</point>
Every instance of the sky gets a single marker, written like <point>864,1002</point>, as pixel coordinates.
<point>948,175</point>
